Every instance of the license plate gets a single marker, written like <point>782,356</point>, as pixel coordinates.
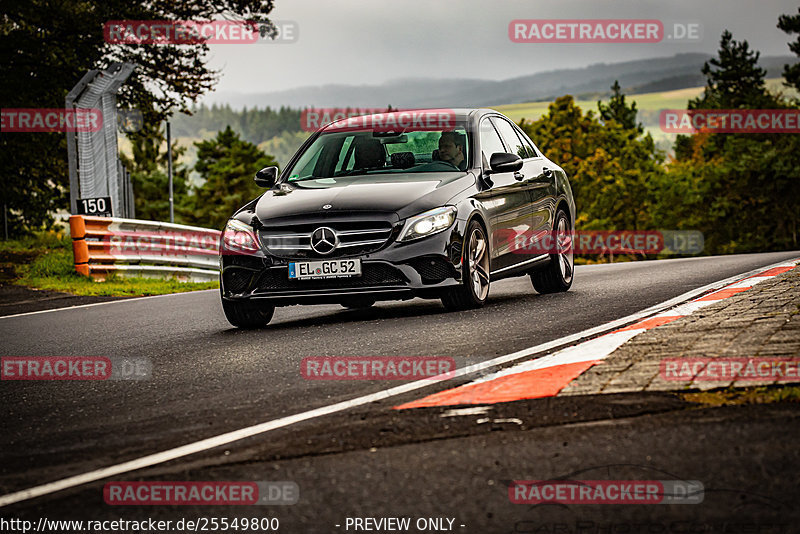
<point>324,269</point>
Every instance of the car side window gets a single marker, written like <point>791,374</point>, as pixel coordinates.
<point>511,138</point>
<point>490,141</point>
<point>528,145</point>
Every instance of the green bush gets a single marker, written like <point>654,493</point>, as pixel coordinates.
<point>38,241</point>
<point>58,262</point>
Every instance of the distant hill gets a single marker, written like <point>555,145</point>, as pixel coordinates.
<point>649,105</point>
<point>640,76</point>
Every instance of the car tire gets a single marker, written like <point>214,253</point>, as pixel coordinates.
<point>473,290</point>
<point>358,304</point>
<point>247,315</point>
<point>557,276</point>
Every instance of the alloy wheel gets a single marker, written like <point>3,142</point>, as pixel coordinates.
<point>479,263</point>
<point>566,262</point>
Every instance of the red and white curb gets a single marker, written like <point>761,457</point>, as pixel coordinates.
<point>548,375</point>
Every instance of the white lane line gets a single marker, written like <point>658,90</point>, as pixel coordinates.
<point>750,282</point>
<point>594,349</point>
<point>124,299</point>
<point>687,308</point>
<point>236,435</point>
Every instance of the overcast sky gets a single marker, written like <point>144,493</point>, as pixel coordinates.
<point>372,41</point>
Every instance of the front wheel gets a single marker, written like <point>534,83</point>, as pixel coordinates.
<point>246,314</point>
<point>474,287</point>
<point>557,276</point>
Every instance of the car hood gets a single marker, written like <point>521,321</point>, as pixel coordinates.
<point>402,194</point>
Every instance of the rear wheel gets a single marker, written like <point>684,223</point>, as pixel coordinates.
<point>474,287</point>
<point>246,314</point>
<point>557,276</point>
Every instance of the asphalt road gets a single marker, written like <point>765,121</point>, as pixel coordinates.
<point>209,378</point>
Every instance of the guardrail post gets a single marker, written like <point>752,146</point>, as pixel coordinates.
<point>80,250</point>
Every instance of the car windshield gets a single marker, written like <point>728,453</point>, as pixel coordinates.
<point>368,152</point>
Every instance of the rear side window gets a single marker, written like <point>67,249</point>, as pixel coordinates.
<point>528,145</point>
<point>511,138</point>
<point>490,142</point>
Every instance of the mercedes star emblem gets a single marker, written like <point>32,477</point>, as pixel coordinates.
<point>327,207</point>
<point>324,240</point>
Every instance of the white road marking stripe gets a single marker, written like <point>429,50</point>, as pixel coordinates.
<point>594,349</point>
<point>750,282</point>
<point>458,412</point>
<point>686,309</point>
<point>789,263</point>
<point>230,437</point>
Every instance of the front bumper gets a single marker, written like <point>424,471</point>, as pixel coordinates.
<point>398,271</point>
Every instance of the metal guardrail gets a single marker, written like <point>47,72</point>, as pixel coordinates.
<point>130,247</point>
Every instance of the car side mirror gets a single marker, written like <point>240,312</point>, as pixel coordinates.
<point>504,162</point>
<point>267,177</point>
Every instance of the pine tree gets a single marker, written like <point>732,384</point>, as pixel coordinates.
<point>619,111</point>
<point>227,164</point>
<point>791,25</point>
<point>742,188</point>
<point>734,79</point>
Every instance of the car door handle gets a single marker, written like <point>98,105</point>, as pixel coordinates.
<point>519,176</point>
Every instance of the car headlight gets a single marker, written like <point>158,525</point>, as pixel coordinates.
<point>428,223</point>
<point>239,238</point>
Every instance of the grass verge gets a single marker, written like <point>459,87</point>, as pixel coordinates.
<point>751,395</point>
<point>45,261</point>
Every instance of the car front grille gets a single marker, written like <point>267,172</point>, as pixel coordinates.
<point>372,275</point>
<point>355,237</point>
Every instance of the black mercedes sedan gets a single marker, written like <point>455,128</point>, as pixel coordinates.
<point>423,203</point>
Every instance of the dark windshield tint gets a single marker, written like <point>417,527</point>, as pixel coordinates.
<point>354,153</point>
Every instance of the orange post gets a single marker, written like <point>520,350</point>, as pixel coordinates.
<point>80,250</point>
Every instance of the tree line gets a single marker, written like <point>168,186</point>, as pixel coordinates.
<point>742,190</point>
<point>254,125</point>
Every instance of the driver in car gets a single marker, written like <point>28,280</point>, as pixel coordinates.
<point>451,149</point>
